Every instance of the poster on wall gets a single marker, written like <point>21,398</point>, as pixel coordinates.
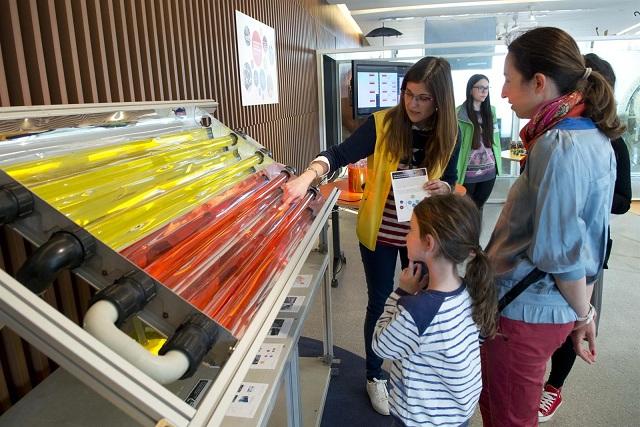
<point>257,61</point>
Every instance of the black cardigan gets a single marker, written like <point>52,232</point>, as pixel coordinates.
<point>362,143</point>
<point>622,190</point>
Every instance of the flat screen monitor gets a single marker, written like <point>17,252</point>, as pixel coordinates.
<point>376,85</point>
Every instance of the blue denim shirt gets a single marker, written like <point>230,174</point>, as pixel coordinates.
<point>555,218</point>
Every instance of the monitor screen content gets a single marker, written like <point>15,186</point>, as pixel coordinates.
<point>376,85</point>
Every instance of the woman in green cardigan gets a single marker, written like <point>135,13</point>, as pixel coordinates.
<point>479,160</point>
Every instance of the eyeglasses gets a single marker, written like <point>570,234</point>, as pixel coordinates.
<point>482,88</point>
<point>421,99</point>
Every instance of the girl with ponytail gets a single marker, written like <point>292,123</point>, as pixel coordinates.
<point>551,236</point>
<point>431,324</point>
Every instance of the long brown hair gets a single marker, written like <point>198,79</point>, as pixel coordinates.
<point>435,73</point>
<point>555,54</point>
<point>454,222</point>
<point>484,136</point>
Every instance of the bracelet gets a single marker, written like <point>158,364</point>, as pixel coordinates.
<point>589,316</point>
<point>314,171</point>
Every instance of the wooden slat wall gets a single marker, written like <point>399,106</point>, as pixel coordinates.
<point>87,51</point>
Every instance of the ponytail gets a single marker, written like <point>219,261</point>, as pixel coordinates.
<point>554,53</point>
<point>479,278</point>
<point>454,222</point>
<point>601,105</point>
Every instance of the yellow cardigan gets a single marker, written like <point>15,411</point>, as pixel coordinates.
<point>376,190</point>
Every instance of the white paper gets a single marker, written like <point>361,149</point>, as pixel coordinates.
<point>388,89</point>
<point>280,328</point>
<point>408,191</point>
<point>292,304</point>
<point>267,356</point>
<point>368,88</point>
<point>247,399</point>
<point>302,281</point>
<point>257,61</point>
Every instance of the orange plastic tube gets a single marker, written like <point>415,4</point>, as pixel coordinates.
<point>263,243</point>
<point>200,284</point>
<point>146,250</point>
<point>247,298</point>
<point>166,268</point>
<point>183,266</point>
<point>239,323</point>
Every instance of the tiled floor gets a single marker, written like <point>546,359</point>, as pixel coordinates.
<point>605,394</point>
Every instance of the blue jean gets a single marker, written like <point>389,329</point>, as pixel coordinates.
<point>379,270</point>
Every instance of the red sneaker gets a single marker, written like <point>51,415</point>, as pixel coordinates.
<point>550,401</point>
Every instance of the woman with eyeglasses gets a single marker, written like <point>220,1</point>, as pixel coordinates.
<point>421,131</point>
<point>479,161</point>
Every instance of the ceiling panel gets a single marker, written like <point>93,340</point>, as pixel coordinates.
<point>578,17</point>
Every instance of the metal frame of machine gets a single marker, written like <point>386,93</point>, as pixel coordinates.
<point>97,365</point>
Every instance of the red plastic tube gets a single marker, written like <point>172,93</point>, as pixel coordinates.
<point>216,212</point>
<point>189,261</point>
<point>242,320</point>
<point>236,314</point>
<point>213,274</point>
<point>265,242</point>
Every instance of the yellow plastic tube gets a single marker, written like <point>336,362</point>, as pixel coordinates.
<point>58,166</point>
<point>102,179</point>
<point>123,229</point>
<point>143,188</point>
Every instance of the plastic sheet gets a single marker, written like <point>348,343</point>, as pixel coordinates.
<point>249,296</point>
<point>114,197</point>
<point>54,167</point>
<point>235,271</point>
<point>146,250</point>
<point>96,181</point>
<point>122,229</point>
<point>178,268</point>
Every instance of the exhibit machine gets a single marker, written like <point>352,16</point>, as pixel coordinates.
<point>178,224</point>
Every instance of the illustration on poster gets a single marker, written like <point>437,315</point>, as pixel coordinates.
<point>256,48</point>
<point>247,35</point>
<point>247,75</point>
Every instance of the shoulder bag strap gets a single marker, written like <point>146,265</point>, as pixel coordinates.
<point>520,287</point>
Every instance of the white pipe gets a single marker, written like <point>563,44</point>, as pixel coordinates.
<point>100,322</point>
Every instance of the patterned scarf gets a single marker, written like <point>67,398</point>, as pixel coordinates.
<point>547,116</point>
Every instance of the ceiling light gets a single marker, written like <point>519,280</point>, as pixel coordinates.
<point>626,30</point>
<point>446,6</point>
<point>402,18</point>
<point>347,14</point>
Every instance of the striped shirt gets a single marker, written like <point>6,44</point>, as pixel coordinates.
<point>433,343</point>
<point>392,232</point>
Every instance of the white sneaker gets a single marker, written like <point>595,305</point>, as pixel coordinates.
<point>379,396</point>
